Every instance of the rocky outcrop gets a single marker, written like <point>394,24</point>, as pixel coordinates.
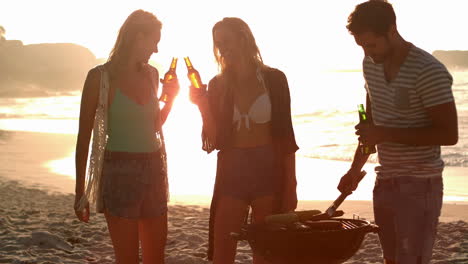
<point>42,69</point>
<point>452,58</point>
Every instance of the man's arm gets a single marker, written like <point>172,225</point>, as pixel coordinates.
<point>350,180</point>
<point>443,130</point>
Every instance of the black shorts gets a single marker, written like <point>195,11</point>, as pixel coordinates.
<point>247,173</point>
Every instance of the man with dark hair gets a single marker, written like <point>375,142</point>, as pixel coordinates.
<point>412,111</point>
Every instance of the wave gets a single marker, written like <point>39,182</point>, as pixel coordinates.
<point>19,116</point>
<point>34,116</point>
<point>460,84</point>
<point>321,113</point>
<point>449,160</point>
<point>334,158</point>
<point>329,146</point>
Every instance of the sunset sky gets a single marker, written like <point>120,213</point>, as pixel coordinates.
<point>287,32</point>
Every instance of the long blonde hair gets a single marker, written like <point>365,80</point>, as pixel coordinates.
<point>138,21</point>
<point>242,31</point>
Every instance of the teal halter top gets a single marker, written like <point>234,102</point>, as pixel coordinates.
<point>131,126</point>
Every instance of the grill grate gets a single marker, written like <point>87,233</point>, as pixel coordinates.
<point>349,225</point>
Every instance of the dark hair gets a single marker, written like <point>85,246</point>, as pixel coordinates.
<point>374,16</point>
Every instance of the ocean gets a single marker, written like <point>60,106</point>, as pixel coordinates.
<point>324,109</point>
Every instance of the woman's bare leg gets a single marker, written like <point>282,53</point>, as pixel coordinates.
<point>261,207</point>
<point>230,215</point>
<point>124,236</point>
<point>153,235</point>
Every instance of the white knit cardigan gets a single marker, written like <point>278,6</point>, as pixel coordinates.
<point>93,175</point>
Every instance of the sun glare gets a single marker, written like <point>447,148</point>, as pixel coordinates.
<point>65,166</point>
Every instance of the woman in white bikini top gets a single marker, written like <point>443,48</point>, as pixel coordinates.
<point>259,112</point>
<point>247,173</point>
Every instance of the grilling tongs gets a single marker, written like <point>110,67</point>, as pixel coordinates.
<point>332,210</point>
<point>312,215</point>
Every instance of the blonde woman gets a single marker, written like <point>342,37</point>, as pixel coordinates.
<point>247,117</point>
<point>127,176</point>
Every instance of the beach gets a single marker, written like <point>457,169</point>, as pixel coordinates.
<point>38,225</point>
<point>49,48</point>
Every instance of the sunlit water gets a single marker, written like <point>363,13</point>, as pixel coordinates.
<point>324,114</point>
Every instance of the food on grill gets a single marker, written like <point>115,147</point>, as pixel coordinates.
<point>292,217</point>
<point>324,225</point>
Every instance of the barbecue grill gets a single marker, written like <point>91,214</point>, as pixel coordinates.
<point>320,238</point>
<point>307,242</point>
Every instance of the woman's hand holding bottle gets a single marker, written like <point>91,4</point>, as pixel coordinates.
<point>171,89</point>
<point>170,83</point>
<point>197,88</point>
<point>197,95</point>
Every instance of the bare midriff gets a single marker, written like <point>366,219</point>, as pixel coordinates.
<point>257,135</point>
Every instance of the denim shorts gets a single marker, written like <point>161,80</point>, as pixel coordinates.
<point>407,210</point>
<point>133,185</point>
<point>246,173</point>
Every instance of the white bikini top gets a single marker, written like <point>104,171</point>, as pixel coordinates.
<point>259,112</point>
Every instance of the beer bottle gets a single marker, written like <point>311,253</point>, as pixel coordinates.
<point>365,149</point>
<point>170,74</point>
<point>193,74</point>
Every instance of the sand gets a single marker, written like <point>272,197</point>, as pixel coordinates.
<point>40,227</point>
